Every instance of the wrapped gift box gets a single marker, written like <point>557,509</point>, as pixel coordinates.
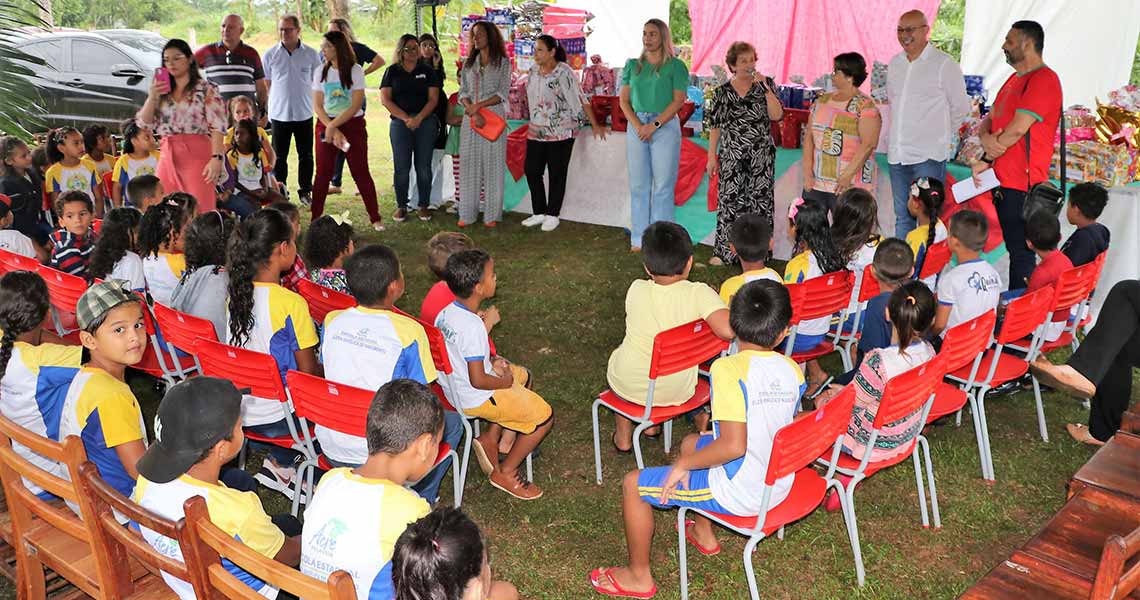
<point>598,78</point>
<point>791,127</point>
<point>602,106</point>
<point>1101,163</point>
<point>518,107</point>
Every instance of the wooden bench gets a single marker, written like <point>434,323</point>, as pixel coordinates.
<point>1115,468</point>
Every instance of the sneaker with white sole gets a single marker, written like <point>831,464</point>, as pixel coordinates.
<point>280,479</point>
<point>533,220</point>
<point>550,223</point>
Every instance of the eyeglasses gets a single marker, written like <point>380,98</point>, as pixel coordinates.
<point>910,29</point>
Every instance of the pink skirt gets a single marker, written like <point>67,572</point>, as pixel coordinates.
<point>184,157</point>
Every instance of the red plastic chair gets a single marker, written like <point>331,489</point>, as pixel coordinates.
<point>868,287</point>
<point>824,296</point>
<point>1024,317</point>
<point>107,186</point>
<point>64,291</point>
<point>181,331</point>
<point>962,347</point>
<point>10,261</point>
<point>323,300</point>
<point>344,409</point>
<point>153,362</point>
<point>97,226</point>
<point>1071,289</point>
<point>794,448</point>
<point>674,350</point>
<point>1084,311</point>
<point>258,372</point>
<point>937,257</point>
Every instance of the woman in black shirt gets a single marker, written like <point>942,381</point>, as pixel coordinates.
<point>410,91</point>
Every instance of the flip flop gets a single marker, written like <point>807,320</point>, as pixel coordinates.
<point>484,461</point>
<point>1082,434</point>
<point>693,540</point>
<point>596,580</point>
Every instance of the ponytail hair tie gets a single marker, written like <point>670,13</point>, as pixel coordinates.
<point>794,209</point>
<point>435,544</point>
<point>911,299</point>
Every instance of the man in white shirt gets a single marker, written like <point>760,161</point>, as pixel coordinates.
<point>928,102</point>
<point>289,68</point>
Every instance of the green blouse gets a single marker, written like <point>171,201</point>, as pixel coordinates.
<point>652,89</point>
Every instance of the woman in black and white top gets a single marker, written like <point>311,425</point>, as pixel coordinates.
<point>410,90</point>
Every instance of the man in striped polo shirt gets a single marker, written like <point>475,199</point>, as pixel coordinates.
<point>235,67</point>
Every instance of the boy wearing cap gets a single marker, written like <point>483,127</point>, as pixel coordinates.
<point>12,240</point>
<point>198,430</point>
<point>99,406</point>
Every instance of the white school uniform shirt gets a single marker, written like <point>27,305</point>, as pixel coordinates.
<point>352,524</point>
<point>970,289</point>
<point>928,103</point>
<point>130,269</point>
<point>162,273</point>
<point>761,390</point>
<point>17,243</point>
<point>864,256</point>
<point>466,338</point>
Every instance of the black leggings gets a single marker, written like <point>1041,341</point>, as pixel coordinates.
<point>539,157</point>
<point>1107,356</point>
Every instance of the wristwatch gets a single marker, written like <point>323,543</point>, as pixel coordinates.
<point>217,156</point>
<point>657,124</point>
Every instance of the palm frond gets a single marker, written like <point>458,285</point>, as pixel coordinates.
<point>21,108</point>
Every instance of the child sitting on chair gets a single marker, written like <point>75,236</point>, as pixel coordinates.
<point>754,394</point>
<point>974,286</point>
<point>328,243</point>
<point>1086,202</point>
<point>750,239</point>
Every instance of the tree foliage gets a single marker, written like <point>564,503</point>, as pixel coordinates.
<point>20,106</point>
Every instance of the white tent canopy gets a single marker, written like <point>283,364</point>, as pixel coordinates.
<point>1090,44</point>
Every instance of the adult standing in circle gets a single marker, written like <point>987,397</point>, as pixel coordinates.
<point>289,68</point>
<point>741,149</point>
<point>189,114</point>
<point>484,83</point>
<point>1026,110</point>
<point>557,106</point>
<point>431,56</point>
<point>652,91</point>
<point>364,56</point>
<point>338,98</point>
<point>844,130</point>
<point>235,67</point>
<point>928,102</point>
<point>410,92</point>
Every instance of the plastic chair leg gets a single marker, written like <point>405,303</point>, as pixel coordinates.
<point>637,443</point>
<point>597,443</point>
<point>847,506</point>
<point>749,569</point>
<point>930,477</point>
<point>456,480</point>
<point>1040,410</point>
<point>668,435</point>
<point>914,457</point>
<point>683,553</point>
<point>529,467</point>
<point>980,395</point>
<point>468,439</point>
<point>978,435</point>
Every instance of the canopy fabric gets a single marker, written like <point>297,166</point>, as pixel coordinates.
<point>798,37</point>
<point>616,26</point>
<point>1091,45</point>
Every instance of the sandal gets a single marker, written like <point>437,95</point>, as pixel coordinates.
<point>1082,434</point>
<point>706,550</point>
<point>605,575</point>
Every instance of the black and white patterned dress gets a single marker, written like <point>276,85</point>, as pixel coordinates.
<point>747,159</point>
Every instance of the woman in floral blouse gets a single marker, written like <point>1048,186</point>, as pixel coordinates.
<point>557,106</point>
<point>189,115</point>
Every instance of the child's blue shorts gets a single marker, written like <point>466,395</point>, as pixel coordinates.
<point>698,494</point>
<point>803,343</point>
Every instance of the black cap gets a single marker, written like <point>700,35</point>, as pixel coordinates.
<point>193,416</point>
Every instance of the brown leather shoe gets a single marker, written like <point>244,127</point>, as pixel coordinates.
<point>515,486</point>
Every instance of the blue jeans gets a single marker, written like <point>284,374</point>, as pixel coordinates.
<point>240,204</point>
<point>901,178</point>
<point>428,487</point>
<point>652,175</point>
<point>409,145</point>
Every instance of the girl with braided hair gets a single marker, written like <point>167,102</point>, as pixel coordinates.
<point>925,204</point>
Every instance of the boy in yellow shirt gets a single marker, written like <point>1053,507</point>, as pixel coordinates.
<point>750,239</point>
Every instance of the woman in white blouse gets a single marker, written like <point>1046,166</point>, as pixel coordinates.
<point>557,106</point>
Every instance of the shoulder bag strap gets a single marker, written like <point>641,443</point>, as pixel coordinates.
<point>1028,180</point>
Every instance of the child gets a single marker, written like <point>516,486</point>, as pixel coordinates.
<point>160,244</point>
<point>242,109</point>
<point>29,369</point>
<point>911,310</point>
<point>893,265</point>
<point>74,241</point>
<point>755,393</point>
<point>10,239</point>
<point>750,239</point>
<point>114,256</point>
<point>265,317</point>
<point>372,344</point>
<point>197,431</point>
<point>455,123</point>
<point>818,256</point>
<point>486,387</point>
<point>294,274</point>
<point>1086,202</point>
<point>24,186</point>
<point>855,221</point>
<point>925,204</point>
<point>248,169</point>
<point>440,247</point>
<point>97,144</point>
<point>1042,234</point>
<point>973,287</point>
<point>100,407</point>
<point>140,157</point>
<point>203,288</point>
<point>665,300</point>
<point>327,244</point>
<point>69,172</point>
<point>356,515</point>
<point>146,190</point>
<point>184,200</point>
<point>444,556</point>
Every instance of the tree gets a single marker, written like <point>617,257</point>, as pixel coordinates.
<point>679,23</point>
<point>19,101</point>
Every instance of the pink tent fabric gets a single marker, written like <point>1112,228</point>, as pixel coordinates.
<point>798,37</point>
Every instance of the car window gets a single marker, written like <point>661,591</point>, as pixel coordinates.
<point>51,51</point>
<point>95,58</point>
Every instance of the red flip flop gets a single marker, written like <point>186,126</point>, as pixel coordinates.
<point>692,540</point>
<point>605,575</point>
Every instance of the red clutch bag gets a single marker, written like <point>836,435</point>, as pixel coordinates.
<point>493,125</point>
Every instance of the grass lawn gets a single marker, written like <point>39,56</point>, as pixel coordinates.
<point>561,297</point>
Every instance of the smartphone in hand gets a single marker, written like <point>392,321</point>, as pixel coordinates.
<point>162,76</point>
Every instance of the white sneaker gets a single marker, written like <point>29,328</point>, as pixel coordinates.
<point>550,223</point>
<point>533,220</point>
<point>280,479</point>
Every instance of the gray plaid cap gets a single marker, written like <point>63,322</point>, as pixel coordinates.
<point>100,298</point>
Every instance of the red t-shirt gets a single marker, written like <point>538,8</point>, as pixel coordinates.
<point>1046,273</point>
<point>1038,94</point>
<point>437,298</point>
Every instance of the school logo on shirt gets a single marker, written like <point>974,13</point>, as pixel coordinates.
<point>326,539</point>
<point>76,183</point>
<point>981,283</point>
<point>249,171</point>
<point>145,170</point>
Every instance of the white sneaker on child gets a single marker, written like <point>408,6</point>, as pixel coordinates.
<point>533,220</point>
<point>281,479</point>
<point>550,223</point>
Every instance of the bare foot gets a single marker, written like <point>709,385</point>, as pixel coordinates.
<point>1082,434</point>
<point>616,580</point>
<point>1062,377</point>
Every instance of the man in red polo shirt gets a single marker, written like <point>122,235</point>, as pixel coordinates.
<point>1027,110</point>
